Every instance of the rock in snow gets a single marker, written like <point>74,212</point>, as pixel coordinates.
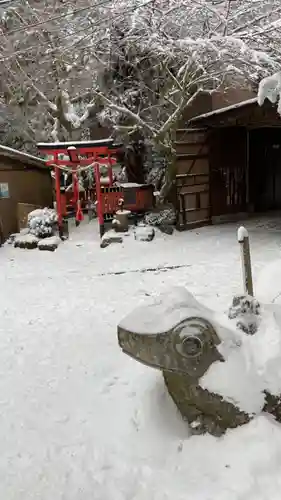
<point>12,238</point>
<point>110,237</point>
<point>165,217</point>
<point>144,233</point>
<point>166,229</point>
<point>26,241</point>
<point>49,244</point>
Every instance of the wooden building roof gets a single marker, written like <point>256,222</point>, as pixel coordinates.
<point>22,157</point>
<point>247,113</point>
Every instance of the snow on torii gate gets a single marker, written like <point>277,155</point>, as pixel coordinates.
<point>80,154</point>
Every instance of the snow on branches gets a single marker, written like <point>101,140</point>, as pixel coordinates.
<point>133,64</point>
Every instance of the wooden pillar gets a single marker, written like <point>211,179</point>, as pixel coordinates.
<point>243,239</point>
<point>58,194</point>
<point>247,168</point>
<point>99,199</point>
<point>110,173</point>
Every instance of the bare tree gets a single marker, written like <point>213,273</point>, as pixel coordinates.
<point>43,65</point>
<point>161,63</point>
<point>135,64</point>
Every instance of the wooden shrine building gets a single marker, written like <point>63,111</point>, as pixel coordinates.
<point>228,164</point>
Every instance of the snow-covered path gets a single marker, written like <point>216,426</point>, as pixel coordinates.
<point>81,421</point>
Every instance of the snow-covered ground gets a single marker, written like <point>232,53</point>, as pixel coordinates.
<point>81,421</point>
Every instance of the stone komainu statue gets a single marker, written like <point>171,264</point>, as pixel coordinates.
<point>182,338</point>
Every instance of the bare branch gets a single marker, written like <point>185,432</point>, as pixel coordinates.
<point>126,111</point>
<point>185,102</point>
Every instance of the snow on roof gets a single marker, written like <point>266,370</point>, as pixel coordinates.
<point>49,145</point>
<point>220,111</point>
<point>22,156</point>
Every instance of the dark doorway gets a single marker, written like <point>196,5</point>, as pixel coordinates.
<point>265,168</point>
<point>228,155</point>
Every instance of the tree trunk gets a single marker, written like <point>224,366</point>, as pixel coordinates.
<point>170,175</point>
<point>132,157</point>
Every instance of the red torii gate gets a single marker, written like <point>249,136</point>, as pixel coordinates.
<point>80,153</point>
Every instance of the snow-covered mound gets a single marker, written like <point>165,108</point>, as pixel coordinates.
<point>268,284</point>
<point>41,222</point>
<point>252,365</point>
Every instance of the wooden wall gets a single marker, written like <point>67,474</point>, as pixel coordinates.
<point>192,178</point>
<point>28,185</point>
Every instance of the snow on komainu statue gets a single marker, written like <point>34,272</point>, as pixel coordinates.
<point>220,370</point>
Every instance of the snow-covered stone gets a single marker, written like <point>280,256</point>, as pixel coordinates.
<point>11,239</point>
<point>110,237</point>
<point>26,241</point>
<point>251,364</point>
<point>166,229</point>
<point>160,313</point>
<point>166,216</point>
<point>49,244</point>
<point>144,233</point>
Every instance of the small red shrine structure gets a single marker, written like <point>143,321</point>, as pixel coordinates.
<point>71,157</point>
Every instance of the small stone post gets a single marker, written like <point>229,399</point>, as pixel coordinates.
<point>243,240</point>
